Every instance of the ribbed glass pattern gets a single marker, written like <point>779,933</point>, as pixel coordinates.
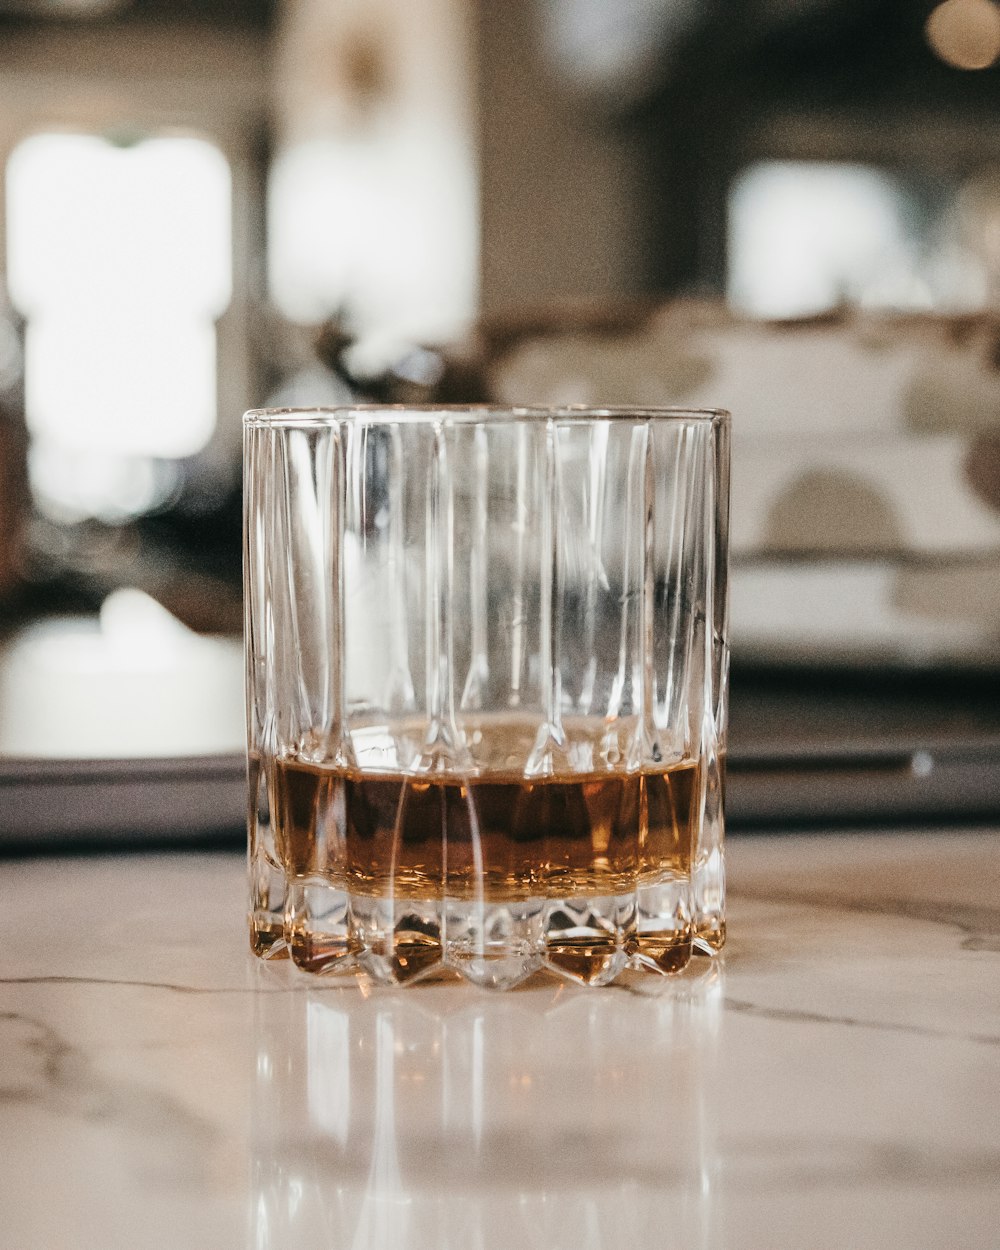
<point>486,689</point>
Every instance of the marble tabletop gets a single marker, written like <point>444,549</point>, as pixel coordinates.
<point>835,1083</point>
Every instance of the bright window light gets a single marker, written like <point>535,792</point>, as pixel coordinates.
<point>119,258</point>
<point>383,227</point>
<point>804,237</point>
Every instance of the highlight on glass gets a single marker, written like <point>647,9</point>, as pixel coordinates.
<point>487,668</point>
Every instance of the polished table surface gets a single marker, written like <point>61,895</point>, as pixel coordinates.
<point>835,1084</point>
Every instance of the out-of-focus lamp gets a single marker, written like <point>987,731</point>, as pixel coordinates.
<point>965,33</point>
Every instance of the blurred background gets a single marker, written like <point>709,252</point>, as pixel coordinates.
<point>790,208</point>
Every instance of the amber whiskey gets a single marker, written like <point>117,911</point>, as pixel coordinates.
<point>499,837</point>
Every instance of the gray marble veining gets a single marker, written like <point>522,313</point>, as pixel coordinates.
<point>834,1083</point>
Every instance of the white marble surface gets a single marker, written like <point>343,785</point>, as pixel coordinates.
<point>835,1085</point>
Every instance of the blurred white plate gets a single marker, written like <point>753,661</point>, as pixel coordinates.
<point>119,727</point>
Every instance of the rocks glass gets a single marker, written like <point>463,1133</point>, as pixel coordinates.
<point>486,689</point>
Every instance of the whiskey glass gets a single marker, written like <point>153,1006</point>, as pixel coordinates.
<point>486,689</point>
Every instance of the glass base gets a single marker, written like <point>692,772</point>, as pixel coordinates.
<point>493,944</point>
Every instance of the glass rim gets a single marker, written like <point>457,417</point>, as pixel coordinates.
<point>417,414</point>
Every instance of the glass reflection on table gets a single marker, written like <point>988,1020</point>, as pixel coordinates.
<point>438,1117</point>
